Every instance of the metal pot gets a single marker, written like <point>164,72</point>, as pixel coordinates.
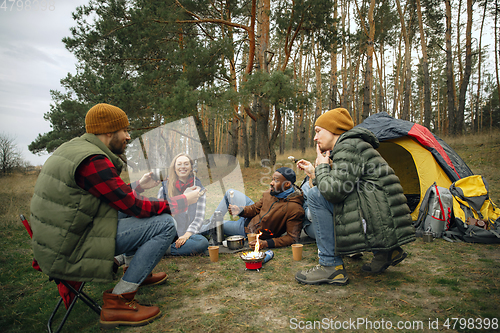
<point>235,242</point>
<point>428,237</point>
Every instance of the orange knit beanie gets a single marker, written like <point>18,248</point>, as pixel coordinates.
<point>104,118</point>
<point>336,121</point>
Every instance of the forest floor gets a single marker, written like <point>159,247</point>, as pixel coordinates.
<point>440,286</point>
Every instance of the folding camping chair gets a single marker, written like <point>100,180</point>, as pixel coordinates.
<point>72,291</point>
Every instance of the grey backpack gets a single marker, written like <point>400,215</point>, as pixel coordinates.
<point>435,211</point>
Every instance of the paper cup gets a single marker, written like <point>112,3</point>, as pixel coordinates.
<point>214,253</point>
<point>251,237</point>
<point>297,251</point>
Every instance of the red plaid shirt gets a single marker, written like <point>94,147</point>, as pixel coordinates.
<point>98,175</point>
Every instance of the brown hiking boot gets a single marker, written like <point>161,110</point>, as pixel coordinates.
<point>151,279</point>
<point>124,310</point>
<point>382,260</point>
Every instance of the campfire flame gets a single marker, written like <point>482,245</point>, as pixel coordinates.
<point>255,254</point>
<point>256,251</point>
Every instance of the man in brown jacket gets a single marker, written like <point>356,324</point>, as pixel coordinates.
<point>278,214</point>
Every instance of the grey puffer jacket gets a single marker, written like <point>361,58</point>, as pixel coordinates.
<point>362,186</point>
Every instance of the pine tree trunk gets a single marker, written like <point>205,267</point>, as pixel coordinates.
<point>405,112</point>
<point>263,152</point>
<point>282,137</point>
<point>252,141</point>
<point>263,147</point>
<point>397,83</point>
<point>302,133</point>
<point>467,71</point>
<point>449,73</point>
<point>333,103</point>
<point>244,141</point>
<point>497,55</point>
<point>207,150</point>
<point>381,70</point>
<point>425,70</point>
<point>367,88</point>
<point>233,136</point>
<point>346,92</point>
<point>478,94</point>
<point>317,70</point>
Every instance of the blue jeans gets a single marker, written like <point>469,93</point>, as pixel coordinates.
<point>307,223</point>
<point>194,245</point>
<point>231,227</point>
<point>147,239</point>
<point>321,211</point>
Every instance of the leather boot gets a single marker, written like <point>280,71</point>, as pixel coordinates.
<point>382,260</point>
<point>124,310</point>
<point>151,279</point>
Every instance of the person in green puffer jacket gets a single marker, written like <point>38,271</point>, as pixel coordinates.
<point>77,229</point>
<point>357,203</point>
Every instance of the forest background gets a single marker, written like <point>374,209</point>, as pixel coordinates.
<point>256,74</point>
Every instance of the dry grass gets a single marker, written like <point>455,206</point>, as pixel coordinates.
<point>15,197</point>
<point>481,152</point>
<point>438,280</point>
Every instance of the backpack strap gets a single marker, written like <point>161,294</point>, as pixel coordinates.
<point>424,208</point>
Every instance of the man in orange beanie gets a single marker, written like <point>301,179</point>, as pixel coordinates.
<point>77,229</point>
<point>357,203</point>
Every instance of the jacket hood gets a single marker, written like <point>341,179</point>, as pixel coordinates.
<point>296,195</point>
<point>360,133</point>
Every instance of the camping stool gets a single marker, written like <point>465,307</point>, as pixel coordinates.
<point>78,293</point>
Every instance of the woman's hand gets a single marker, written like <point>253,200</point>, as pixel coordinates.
<point>181,240</point>
<point>192,194</point>
<point>147,181</point>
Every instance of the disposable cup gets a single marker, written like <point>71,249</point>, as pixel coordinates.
<point>251,237</point>
<point>297,251</point>
<point>214,253</point>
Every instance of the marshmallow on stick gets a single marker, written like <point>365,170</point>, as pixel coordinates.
<point>293,159</point>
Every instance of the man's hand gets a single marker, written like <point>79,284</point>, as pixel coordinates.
<point>307,167</point>
<point>234,210</point>
<point>262,244</point>
<point>147,181</point>
<point>192,194</point>
<point>320,158</point>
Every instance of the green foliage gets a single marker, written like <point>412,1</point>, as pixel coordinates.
<point>308,17</point>
<point>182,100</point>
<point>433,16</point>
<point>276,88</point>
<point>134,55</point>
<point>492,106</point>
<point>67,118</point>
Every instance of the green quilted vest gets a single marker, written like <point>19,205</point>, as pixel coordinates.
<point>73,231</point>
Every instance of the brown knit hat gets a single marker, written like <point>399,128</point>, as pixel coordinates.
<point>104,118</point>
<point>336,121</point>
